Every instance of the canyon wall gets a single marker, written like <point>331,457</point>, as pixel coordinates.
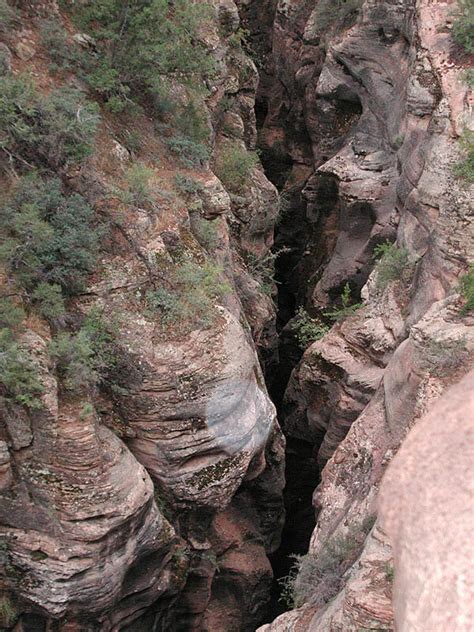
<point>155,502</point>
<point>369,113</point>
<point>152,505</point>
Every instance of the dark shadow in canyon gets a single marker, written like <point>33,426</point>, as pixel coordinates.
<point>302,476</point>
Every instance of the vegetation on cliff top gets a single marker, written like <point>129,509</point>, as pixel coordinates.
<point>51,131</point>
<point>465,168</point>
<point>463,25</point>
<point>142,44</point>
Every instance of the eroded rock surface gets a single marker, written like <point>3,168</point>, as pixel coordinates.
<point>429,481</point>
<point>391,87</point>
<point>146,506</point>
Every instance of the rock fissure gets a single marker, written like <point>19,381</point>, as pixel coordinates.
<point>150,494</point>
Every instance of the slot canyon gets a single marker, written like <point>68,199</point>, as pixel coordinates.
<point>236,319</point>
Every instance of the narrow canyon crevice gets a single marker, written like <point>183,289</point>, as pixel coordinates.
<point>274,299</point>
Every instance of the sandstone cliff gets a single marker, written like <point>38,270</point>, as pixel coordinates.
<point>142,466</point>
<point>151,505</point>
<point>380,102</point>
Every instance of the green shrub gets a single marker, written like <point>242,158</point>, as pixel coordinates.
<point>463,25</point>
<point>67,126</point>
<point>465,168</point>
<point>189,300</point>
<point>11,314</point>
<point>346,309</point>
<point>206,233</point>
<point>54,39</point>
<point>49,238</point>
<point>392,264</point>
<point>18,375</point>
<point>234,165</point>
<point>144,42</point>
<point>238,39</point>
<point>467,289</point>
<point>138,179</point>
<point>190,153</point>
<point>8,16</point>
<point>262,269</point>
<point>442,357</point>
<point>187,184</point>
<point>17,114</point>
<point>320,578</point>
<point>56,130</point>
<point>468,76</point>
<point>8,612</point>
<point>88,357</point>
<point>74,357</point>
<point>389,572</point>
<point>49,299</point>
<point>308,329</point>
<point>132,139</point>
<point>103,337</point>
<point>284,208</point>
<point>192,123</point>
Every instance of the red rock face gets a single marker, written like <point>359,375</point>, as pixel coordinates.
<point>427,511</point>
<point>379,109</point>
<point>84,491</point>
<point>79,519</point>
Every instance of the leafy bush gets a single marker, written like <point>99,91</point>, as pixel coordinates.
<point>8,16</point>
<point>263,269</point>
<point>143,43</point>
<point>463,25</point>
<point>187,184</point>
<point>192,123</point>
<point>468,76</point>
<point>67,125</point>
<point>191,154</point>
<point>138,182</point>
<point>442,357</point>
<point>238,39</point>
<point>189,300</point>
<point>74,358</point>
<point>131,139</point>
<point>49,299</point>
<point>319,578</point>
<point>18,375</point>
<point>465,168</point>
<point>8,612</point>
<point>346,308</point>
<point>389,572</point>
<point>206,233</point>
<point>55,41</point>
<point>392,264</point>
<point>284,208</point>
<point>88,357</point>
<point>55,130</point>
<point>308,329</point>
<point>49,238</point>
<point>11,314</point>
<point>467,289</point>
<point>234,165</point>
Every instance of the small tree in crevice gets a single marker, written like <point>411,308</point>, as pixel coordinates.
<point>347,307</point>
<point>308,329</point>
<point>393,264</point>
